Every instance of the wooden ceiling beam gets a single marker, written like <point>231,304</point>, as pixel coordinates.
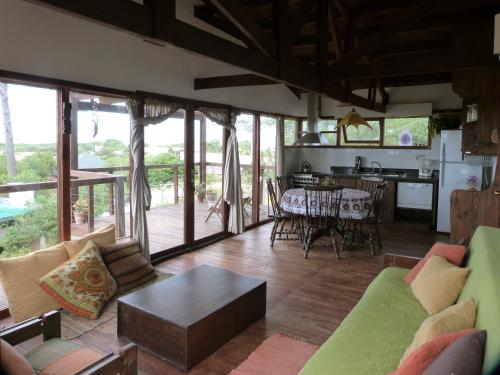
<point>298,20</point>
<point>370,44</point>
<point>247,24</point>
<point>413,67</point>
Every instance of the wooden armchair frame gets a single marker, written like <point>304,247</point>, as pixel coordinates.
<point>49,325</point>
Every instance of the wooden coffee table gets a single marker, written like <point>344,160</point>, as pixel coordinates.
<point>187,317</point>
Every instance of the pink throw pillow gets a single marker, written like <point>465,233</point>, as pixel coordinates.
<point>452,253</point>
<point>422,357</point>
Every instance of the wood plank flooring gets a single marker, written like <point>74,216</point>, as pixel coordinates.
<point>306,298</point>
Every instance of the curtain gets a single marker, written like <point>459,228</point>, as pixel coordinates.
<point>232,174</point>
<point>155,111</point>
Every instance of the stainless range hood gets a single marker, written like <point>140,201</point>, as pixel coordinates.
<point>312,137</point>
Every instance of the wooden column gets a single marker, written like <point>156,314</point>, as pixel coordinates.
<point>189,176</point>
<point>256,170</point>
<point>63,165</point>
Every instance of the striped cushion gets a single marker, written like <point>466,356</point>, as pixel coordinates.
<point>127,265</point>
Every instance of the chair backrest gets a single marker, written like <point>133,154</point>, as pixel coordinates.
<point>272,197</point>
<point>377,197</point>
<point>284,183</point>
<point>322,204</point>
<point>370,183</point>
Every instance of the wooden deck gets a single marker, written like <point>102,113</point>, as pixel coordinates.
<point>306,298</point>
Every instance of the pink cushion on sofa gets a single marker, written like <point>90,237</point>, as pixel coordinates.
<point>453,254</point>
<point>422,357</point>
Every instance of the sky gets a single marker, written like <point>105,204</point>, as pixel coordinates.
<point>34,121</point>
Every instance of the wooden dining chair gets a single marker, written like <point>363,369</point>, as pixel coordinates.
<point>322,214</point>
<point>281,218</point>
<point>353,228</point>
<point>284,183</point>
<point>369,184</point>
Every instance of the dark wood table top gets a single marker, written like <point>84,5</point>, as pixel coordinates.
<point>189,297</point>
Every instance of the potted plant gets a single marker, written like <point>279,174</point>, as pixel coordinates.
<point>80,211</point>
<point>200,192</point>
<point>444,121</point>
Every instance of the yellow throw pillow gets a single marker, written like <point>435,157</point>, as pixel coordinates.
<point>83,284</point>
<point>19,277</point>
<point>438,284</point>
<point>453,319</point>
<point>102,237</point>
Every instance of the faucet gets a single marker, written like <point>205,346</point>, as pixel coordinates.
<point>379,166</point>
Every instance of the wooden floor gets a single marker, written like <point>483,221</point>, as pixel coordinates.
<point>307,298</point>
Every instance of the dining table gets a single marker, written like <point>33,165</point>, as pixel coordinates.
<point>355,204</point>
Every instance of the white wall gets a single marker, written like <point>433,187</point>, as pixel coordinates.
<point>322,158</point>
<point>41,41</point>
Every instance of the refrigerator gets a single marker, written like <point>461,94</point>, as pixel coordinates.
<point>454,173</point>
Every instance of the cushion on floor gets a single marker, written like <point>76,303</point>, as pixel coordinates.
<point>373,337</point>
<point>19,278</point>
<point>278,355</point>
<point>102,237</point>
<point>60,357</point>
<point>127,265</point>
<point>83,284</point>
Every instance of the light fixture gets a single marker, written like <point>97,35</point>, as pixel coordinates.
<point>353,118</point>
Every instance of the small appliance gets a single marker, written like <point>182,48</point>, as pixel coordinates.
<point>306,167</point>
<point>357,164</point>
<point>424,167</point>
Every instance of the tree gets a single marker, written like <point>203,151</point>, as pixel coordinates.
<point>7,125</point>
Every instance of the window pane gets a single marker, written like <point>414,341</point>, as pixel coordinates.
<point>267,162</point>
<point>362,133</point>
<point>208,207</point>
<point>28,155</point>
<point>290,134</point>
<point>244,130</point>
<point>413,131</point>
<point>329,126</point>
<point>164,158</point>
<point>100,149</point>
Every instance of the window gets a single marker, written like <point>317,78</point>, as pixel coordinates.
<point>362,135</point>
<point>290,131</point>
<point>406,132</point>
<point>245,130</point>
<point>328,127</point>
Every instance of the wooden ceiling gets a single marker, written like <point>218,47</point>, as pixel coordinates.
<point>330,47</point>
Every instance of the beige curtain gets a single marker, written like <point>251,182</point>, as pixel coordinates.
<point>232,175</point>
<point>155,112</point>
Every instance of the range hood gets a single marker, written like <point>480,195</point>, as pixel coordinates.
<point>312,137</point>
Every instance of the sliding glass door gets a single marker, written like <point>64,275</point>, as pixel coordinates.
<point>267,162</point>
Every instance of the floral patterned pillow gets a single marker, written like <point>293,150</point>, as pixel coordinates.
<point>83,284</point>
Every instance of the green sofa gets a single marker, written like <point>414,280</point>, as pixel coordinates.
<point>373,337</point>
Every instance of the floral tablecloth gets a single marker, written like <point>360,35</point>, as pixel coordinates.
<point>355,203</point>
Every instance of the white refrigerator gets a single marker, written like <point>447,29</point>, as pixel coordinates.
<point>454,173</point>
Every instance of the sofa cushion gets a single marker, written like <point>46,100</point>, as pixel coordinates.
<point>438,284</point>
<point>464,356</point>
<point>61,357</point>
<point>83,284</point>
<point>455,318</point>
<point>483,284</point>
<point>12,362</point>
<point>127,265</point>
<point>102,237</point>
<point>19,277</point>
<point>453,254</point>
<point>421,358</point>
<point>373,337</point>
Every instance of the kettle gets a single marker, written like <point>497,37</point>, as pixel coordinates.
<point>306,167</point>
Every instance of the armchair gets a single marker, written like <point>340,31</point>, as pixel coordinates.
<point>48,325</point>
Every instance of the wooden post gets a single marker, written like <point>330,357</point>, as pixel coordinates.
<point>90,208</point>
<point>64,205</point>
<point>176,184</point>
<point>119,202</point>
<point>111,197</point>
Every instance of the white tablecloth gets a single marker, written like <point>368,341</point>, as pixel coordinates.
<point>355,203</point>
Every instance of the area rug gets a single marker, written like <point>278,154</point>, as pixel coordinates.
<point>73,326</point>
<point>278,355</point>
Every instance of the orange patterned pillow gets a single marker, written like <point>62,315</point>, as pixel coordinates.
<point>83,284</point>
